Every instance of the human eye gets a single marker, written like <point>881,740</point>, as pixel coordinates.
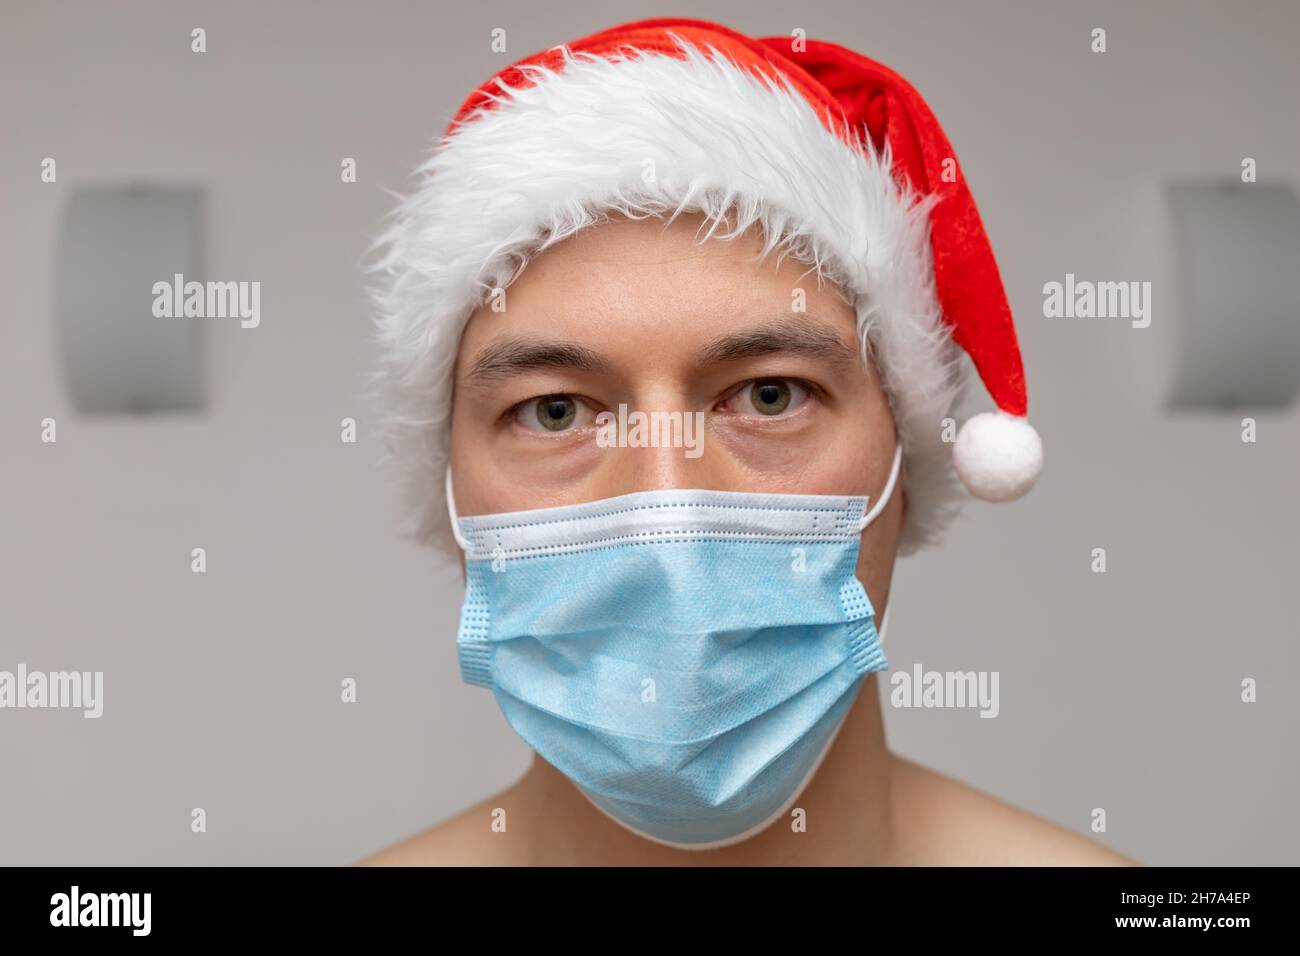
<point>550,414</point>
<point>767,397</point>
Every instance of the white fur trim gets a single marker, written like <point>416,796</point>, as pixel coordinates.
<point>569,151</point>
<point>998,456</point>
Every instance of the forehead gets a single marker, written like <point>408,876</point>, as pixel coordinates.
<point>649,287</point>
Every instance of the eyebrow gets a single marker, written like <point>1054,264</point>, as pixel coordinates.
<point>508,357</point>
<point>780,336</point>
<point>501,360</point>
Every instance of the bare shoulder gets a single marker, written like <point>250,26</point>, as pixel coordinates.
<point>462,840</point>
<point>942,822</point>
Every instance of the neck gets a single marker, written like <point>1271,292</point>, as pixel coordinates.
<point>846,820</point>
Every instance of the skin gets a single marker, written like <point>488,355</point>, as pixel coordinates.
<point>654,302</point>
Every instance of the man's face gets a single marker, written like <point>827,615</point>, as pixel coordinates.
<point>638,314</point>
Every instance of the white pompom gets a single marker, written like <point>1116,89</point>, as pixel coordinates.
<point>997,456</point>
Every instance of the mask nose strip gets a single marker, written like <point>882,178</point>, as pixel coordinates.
<point>869,517</point>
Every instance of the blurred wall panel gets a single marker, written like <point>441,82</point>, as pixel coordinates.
<point>115,243</point>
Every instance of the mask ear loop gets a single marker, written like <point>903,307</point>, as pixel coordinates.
<point>871,515</point>
<point>451,511</point>
<point>885,495</point>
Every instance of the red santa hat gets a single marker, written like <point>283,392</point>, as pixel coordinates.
<point>834,157</point>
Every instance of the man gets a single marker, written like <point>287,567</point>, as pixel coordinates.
<point>770,240</point>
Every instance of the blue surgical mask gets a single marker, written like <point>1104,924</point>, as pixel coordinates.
<point>685,657</point>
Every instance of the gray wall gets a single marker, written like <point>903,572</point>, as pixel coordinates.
<point>1118,690</point>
